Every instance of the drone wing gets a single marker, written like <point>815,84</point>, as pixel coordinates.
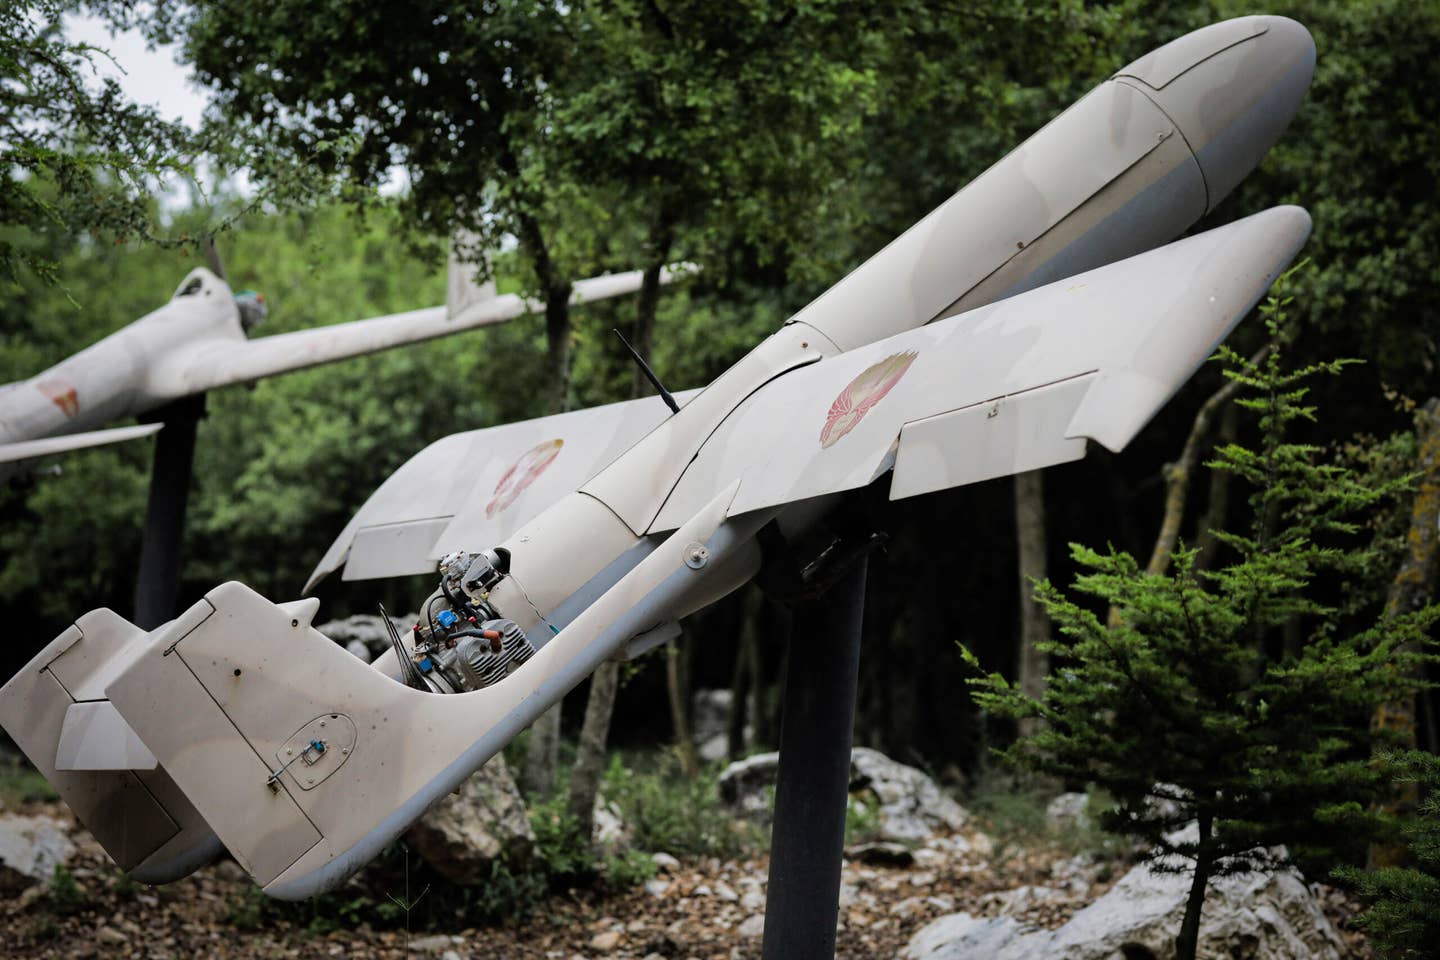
<point>229,362</point>
<point>27,449</point>
<point>481,485</point>
<point>1013,386</point>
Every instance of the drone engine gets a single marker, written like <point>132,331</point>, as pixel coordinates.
<point>462,643</point>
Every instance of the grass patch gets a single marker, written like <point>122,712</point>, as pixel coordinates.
<point>672,813</point>
<point>863,823</point>
<point>66,895</point>
<point>1013,815</point>
<point>20,784</point>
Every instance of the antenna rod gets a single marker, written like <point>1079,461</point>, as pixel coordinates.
<point>650,375</point>
<point>212,257</point>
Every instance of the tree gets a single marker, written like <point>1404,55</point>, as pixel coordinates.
<point>1403,920</point>
<point>280,467</point>
<point>75,158</point>
<point>1033,664</point>
<point>1184,707</point>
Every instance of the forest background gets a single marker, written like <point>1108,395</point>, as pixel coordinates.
<point>774,145</point>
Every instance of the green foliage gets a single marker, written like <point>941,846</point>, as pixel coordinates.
<point>1186,705</point>
<point>66,895</point>
<point>1014,817</point>
<point>559,847</point>
<point>1362,155</point>
<point>1403,921</point>
<point>74,157</point>
<point>673,813</point>
<point>628,869</point>
<point>20,783</point>
<point>862,820</point>
<point>248,911</point>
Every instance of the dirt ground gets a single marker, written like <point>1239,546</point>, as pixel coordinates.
<point>704,909</point>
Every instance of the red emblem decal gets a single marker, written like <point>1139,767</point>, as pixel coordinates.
<point>862,393</point>
<point>531,464</point>
<point>61,392</point>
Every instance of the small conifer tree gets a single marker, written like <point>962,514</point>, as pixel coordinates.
<point>1185,707</point>
<point>1403,921</point>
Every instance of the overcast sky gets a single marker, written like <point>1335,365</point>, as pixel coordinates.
<point>147,76</point>
<point>153,77</point>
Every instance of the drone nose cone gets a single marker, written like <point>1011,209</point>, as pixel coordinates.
<point>1231,88</point>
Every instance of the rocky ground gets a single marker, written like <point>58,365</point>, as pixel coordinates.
<point>693,909</point>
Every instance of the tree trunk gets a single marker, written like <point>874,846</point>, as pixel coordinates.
<point>779,621</point>
<point>1178,475</point>
<point>677,685</point>
<point>542,756</point>
<point>1412,589</point>
<point>1188,942</point>
<point>647,302</point>
<point>590,752</point>
<point>742,681</point>
<point>1034,663</point>
<point>1217,500</point>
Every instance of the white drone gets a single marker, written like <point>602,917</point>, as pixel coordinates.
<point>997,335</point>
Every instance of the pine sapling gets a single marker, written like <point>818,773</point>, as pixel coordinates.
<point>1184,706</point>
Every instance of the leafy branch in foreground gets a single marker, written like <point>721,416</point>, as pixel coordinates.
<point>1187,707</point>
<point>74,154</point>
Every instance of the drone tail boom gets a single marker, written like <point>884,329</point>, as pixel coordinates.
<point>307,762</point>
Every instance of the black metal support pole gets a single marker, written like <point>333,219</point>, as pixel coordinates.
<point>158,584</point>
<point>802,903</point>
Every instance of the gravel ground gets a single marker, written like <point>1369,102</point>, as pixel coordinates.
<point>705,909</point>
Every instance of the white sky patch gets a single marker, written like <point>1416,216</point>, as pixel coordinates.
<point>152,76</point>
<point>148,76</point>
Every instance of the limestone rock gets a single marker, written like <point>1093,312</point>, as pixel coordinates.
<point>606,941</point>
<point>961,935</point>
<point>747,786</point>
<point>1016,902</point>
<point>712,724</point>
<point>367,629</point>
<point>483,821</point>
<point>110,936</point>
<point>1263,915</point>
<point>30,850</point>
<point>881,854</point>
<point>712,713</point>
<point>611,833</point>
<point>1069,810</point>
<point>912,806</point>
<point>437,943</point>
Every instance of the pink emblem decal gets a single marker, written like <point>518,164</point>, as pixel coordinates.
<point>862,393</point>
<point>61,392</point>
<point>531,464</point>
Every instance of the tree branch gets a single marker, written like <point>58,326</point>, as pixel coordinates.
<point>1177,475</point>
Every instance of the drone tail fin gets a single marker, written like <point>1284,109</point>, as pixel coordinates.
<point>56,711</point>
